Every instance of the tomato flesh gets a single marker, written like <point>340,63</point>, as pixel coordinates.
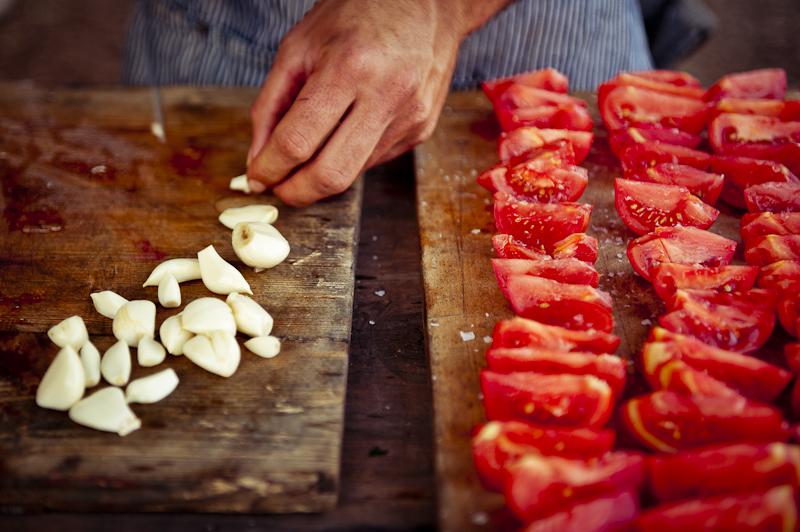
<point>772,248</point>
<point>570,271</point>
<point>508,247</point>
<point>543,180</point>
<point>608,513</point>
<point>773,197</point>
<point>622,138</point>
<point>679,377</point>
<point>519,332</point>
<point>754,225</point>
<point>548,79</point>
<point>637,158</point>
<point>626,106</point>
<point>521,106</point>
<point>763,83</point>
<point>704,185</point>
<point>673,77</point>
<point>759,137</point>
<point>743,172</point>
<point>788,312</point>
<point>644,82</point>
<point>669,277</point>
<point>781,275</point>
<point>539,225</point>
<point>577,245</point>
<point>523,141</point>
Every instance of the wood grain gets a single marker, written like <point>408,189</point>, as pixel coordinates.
<point>92,201</point>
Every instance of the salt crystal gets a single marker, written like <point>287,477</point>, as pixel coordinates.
<point>467,336</point>
<point>380,293</point>
<point>487,339</point>
<point>476,231</point>
<point>374,238</point>
<point>99,169</point>
<point>374,257</point>
<point>646,322</point>
<point>372,322</point>
<point>480,518</point>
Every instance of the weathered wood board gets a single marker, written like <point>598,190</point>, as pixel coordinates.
<point>461,293</point>
<point>92,201</point>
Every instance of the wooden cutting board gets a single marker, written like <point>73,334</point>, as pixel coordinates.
<point>462,298</point>
<point>91,201</point>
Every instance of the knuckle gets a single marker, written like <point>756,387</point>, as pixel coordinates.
<point>404,80</point>
<point>361,62</point>
<point>329,181</point>
<point>293,145</point>
<point>419,111</point>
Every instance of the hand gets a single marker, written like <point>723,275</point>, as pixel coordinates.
<point>355,83</point>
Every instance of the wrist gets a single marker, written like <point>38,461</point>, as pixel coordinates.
<point>466,16</point>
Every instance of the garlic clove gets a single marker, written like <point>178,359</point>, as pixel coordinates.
<point>90,359</point>
<point>150,353</point>
<point>107,302</point>
<point>219,276</point>
<point>116,364</point>
<point>218,353</point>
<point>135,320</point>
<point>240,183</point>
<point>169,292</point>
<point>69,332</point>
<point>153,388</point>
<point>173,335</point>
<point>63,383</point>
<point>206,315</point>
<point>250,213</point>
<point>264,346</point>
<point>106,410</point>
<point>251,318</point>
<point>259,245</point>
<point>182,269</point>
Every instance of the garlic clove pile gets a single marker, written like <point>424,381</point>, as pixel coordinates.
<point>106,410</point>
<point>135,320</point>
<point>69,332</point>
<point>240,183</point>
<point>182,269</point>
<point>264,346</point>
<point>219,276</point>
<point>259,245</point>
<point>251,318</point>
<point>169,292</point>
<point>116,364</point>
<point>206,315</point>
<point>63,383</point>
<point>153,388</point>
<point>217,353</point>
<point>173,335</point>
<point>150,353</point>
<point>250,213</point>
<point>107,302</point>
<point>90,359</point>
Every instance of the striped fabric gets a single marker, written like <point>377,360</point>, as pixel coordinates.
<point>233,42</point>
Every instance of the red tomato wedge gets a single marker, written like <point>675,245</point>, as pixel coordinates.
<point>537,485</point>
<point>788,312</point>
<point>758,511</point>
<point>525,140</point>
<point>570,271</point>
<point>679,377</point>
<point>780,275</point>
<point>680,245</point>
<point>539,225</point>
<point>508,247</point>
<point>772,248</point>
<point>794,400</point>
<point>748,375</point>
<point>760,137</point>
<point>668,422</point>
<point>754,225</point>
<point>542,180</point>
<point>559,400</point>
<point>773,197</point>
<point>626,106</point>
<point>548,79</point>
<point>632,80</point>
<point>673,77</point>
<point>519,332</point>
<point>610,368</point>
<point>637,158</point>
<point>669,277</point>
<point>704,185</point>
<point>645,206</point>
<point>787,111</point>
<point>791,352</point>
<point>571,306</point>
<point>622,138</point>
<point>497,443</point>
<point>753,299</point>
<point>577,245</point>
<point>763,83</point>
<point>609,513</point>
<point>522,106</point>
<point>743,172</point>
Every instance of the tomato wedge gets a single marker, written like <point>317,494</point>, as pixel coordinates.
<point>668,422</point>
<point>645,206</point>
<point>537,485</point>
<point>669,277</point>
<point>704,185</point>
<point>522,106</point>
<point>508,247</point>
<point>788,306</point>
<point>577,245</point>
<point>762,83</point>
<point>542,180</point>
<point>570,271</point>
<point>608,513</point>
<point>761,137</point>
<point>622,138</point>
<point>772,248</point>
<point>754,225</point>
<point>626,106</point>
<point>497,443</point>
<point>642,82</point>
<point>743,172</point>
<point>525,140</point>
<point>637,158</point>
<point>753,299</point>
<point>786,111</point>
<point>679,377</point>
<point>673,77</point>
<point>539,225</point>
<point>780,275</point>
<point>519,332</point>
<point>773,197</point>
<point>680,245</point>
<point>566,305</point>
<point>548,79</point>
<point>560,400</point>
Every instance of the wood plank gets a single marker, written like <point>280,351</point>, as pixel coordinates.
<point>266,440</point>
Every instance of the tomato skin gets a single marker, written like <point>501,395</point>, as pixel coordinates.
<point>521,106</point>
<point>508,247</point>
<point>626,106</point>
<point>754,225</point>
<point>571,306</point>
<point>673,77</point>
<point>791,352</point>
<point>622,138</point>
<point>548,79</point>
<point>609,513</point>
<point>788,311</point>
<point>558,400</point>
<point>763,83</point>
<point>522,141</point>
<point>780,275</point>
<point>645,206</point>
<point>540,180</point>
<point>637,158</point>
<point>577,245</point>
<point>765,250</point>
<point>570,271</point>
<point>519,332</point>
<point>539,225</point>
<point>743,172</point>
<point>669,277</point>
<point>704,185</point>
<point>773,197</point>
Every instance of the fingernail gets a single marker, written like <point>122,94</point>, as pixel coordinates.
<point>257,186</point>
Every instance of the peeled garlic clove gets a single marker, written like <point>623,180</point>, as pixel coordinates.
<point>63,382</point>
<point>150,353</point>
<point>135,320</point>
<point>240,183</point>
<point>153,388</point>
<point>173,335</point>
<point>219,276</point>
<point>218,353</point>
<point>181,269</point>
<point>206,315</point>
<point>90,359</point>
<point>264,346</point>
<point>116,364</point>
<point>259,245</point>
<point>69,332</point>
<point>169,292</point>
<point>251,318</point>
<point>107,302</point>
<point>106,410</point>
<point>250,213</point>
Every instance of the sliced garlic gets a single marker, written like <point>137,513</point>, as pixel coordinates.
<point>264,346</point>
<point>107,302</point>
<point>116,364</point>
<point>63,382</point>
<point>153,388</point>
<point>182,269</point>
<point>69,332</point>
<point>206,315</point>
<point>219,276</point>
<point>218,353</point>
<point>173,335</point>
<point>169,292</point>
<point>150,353</point>
<point>240,183</point>
<point>106,410</point>
<point>90,359</point>
<point>250,213</point>
<point>251,318</point>
<point>259,245</point>
<point>135,320</point>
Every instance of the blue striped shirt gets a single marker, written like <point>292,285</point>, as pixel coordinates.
<point>233,42</point>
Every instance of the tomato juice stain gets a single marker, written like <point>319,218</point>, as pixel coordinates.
<point>20,213</point>
<point>149,251</point>
<point>487,127</point>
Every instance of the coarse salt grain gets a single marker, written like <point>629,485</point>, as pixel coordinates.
<point>467,336</point>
